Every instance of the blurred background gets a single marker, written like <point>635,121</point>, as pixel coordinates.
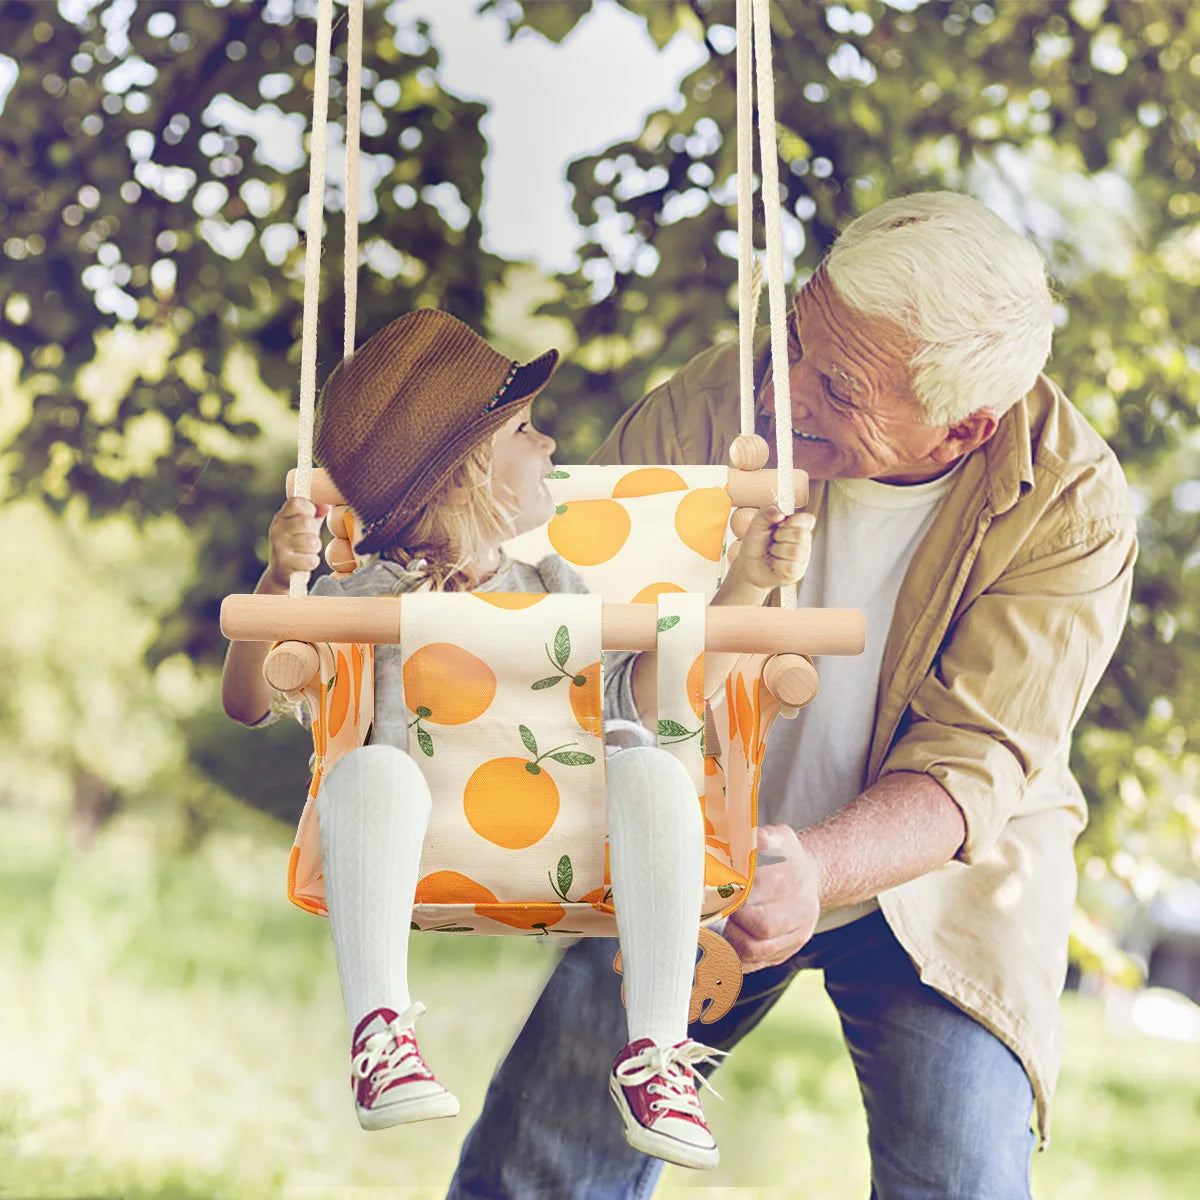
<point>555,173</point>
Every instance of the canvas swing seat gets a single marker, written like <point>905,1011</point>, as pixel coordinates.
<point>503,690</point>
<point>609,525</point>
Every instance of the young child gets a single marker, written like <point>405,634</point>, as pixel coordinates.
<point>426,431</point>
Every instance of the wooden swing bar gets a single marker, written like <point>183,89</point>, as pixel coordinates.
<point>733,629</point>
<point>747,489</point>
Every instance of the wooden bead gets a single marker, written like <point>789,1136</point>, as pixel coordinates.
<point>735,548</point>
<point>290,665</point>
<point>740,521</point>
<point>335,522</point>
<point>749,452</point>
<point>339,554</point>
<point>791,679</point>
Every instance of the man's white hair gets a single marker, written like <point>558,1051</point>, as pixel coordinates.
<point>968,289</point>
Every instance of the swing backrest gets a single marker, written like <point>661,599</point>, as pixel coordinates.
<point>634,534</point>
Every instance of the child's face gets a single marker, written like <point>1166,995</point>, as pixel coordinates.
<point>520,464</point>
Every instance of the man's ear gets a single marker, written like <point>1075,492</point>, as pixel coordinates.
<point>966,435</point>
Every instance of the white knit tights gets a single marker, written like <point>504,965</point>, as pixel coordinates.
<point>372,812</point>
<point>656,839</point>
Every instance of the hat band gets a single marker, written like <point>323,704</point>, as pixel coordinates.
<point>495,400</point>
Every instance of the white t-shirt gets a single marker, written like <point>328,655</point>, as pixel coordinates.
<point>814,765</point>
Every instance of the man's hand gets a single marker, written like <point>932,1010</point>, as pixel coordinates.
<point>784,904</point>
<point>775,550</point>
<point>295,540</point>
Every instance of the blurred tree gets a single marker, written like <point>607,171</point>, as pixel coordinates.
<point>156,180</point>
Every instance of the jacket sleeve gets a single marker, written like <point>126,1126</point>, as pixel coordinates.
<point>1016,671</point>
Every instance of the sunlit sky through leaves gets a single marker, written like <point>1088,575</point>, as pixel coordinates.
<point>547,104</point>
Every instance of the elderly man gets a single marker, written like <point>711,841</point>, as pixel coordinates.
<point>918,818</point>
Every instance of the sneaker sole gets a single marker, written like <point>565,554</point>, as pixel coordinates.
<point>658,1145</point>
<point>422,1108</point>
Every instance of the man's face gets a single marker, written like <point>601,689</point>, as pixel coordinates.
<point>854,413</point>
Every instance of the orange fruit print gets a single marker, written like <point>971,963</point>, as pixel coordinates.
<point>700,521</point>
<point>695,686</point>
<point>454,685</point>
<point>585,699</point>
<point>649,481</point>
<point>651,592</point>
<point>587,532</point>
<point>513,802</point>
<point>451,887</point>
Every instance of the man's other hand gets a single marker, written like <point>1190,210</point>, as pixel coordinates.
<point>784,904</point>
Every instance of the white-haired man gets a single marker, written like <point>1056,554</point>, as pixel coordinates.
<point>920,813</point>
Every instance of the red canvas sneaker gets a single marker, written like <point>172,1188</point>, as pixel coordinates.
<point>654,1088</point>
<point>392,1085</point>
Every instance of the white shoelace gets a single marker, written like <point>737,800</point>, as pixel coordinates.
<point>673,1068</point>
<point>399,1059</point>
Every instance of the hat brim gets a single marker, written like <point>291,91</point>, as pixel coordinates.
<point>527,381</point>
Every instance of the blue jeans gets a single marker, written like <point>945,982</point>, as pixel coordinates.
<point>948,1105</point>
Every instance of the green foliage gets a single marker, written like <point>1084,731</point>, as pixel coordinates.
<point>137,195</point>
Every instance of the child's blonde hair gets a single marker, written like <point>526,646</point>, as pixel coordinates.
<point>455,523</point>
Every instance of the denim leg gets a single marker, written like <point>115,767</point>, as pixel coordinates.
<point>548,1129</point>
<point>948,1104</point>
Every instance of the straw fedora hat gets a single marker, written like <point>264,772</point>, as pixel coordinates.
<point>399,414</point>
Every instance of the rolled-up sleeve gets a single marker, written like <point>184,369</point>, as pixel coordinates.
<point>1016,672</point>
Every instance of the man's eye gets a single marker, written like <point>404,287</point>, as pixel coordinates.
<point>832,394</point>
<point>524,425</point>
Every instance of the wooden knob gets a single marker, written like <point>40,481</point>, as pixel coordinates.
<point>735,548</point>
<point>335,522</point>
<point>791,679</point>
<point>740,521</point>
<point>340,556</point>
<point>749,452</point>
<point>290,665</point>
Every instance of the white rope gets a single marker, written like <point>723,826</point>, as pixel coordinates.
<point>353,110</point>
<point>747,309</point>
<point>775,297</point>
<point>298,585</point>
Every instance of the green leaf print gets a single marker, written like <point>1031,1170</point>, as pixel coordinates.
<point>546,683</point>
<point>665,623</point>
<point>559,475</point>
<point>562,508</point>
<point>565,876</point>
<point>425,742</point>
<point>671,729</point>
<point>725,891</point>
<point>424,712</point>
<point>528,738</point>
<point>562,645</point>
<point>573,758</point>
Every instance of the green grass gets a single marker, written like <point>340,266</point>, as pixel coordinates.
<point>171,1028</point>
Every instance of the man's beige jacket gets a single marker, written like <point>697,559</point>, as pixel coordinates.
<point>1009,613</point>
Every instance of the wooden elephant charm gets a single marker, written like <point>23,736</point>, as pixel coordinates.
<point>716,983</point>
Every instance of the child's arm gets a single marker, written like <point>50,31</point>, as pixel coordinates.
<point>295,538</point>
<point>773,553</point>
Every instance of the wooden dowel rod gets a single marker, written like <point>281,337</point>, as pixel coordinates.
<point>741,630</point>
<point>747,489</point>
